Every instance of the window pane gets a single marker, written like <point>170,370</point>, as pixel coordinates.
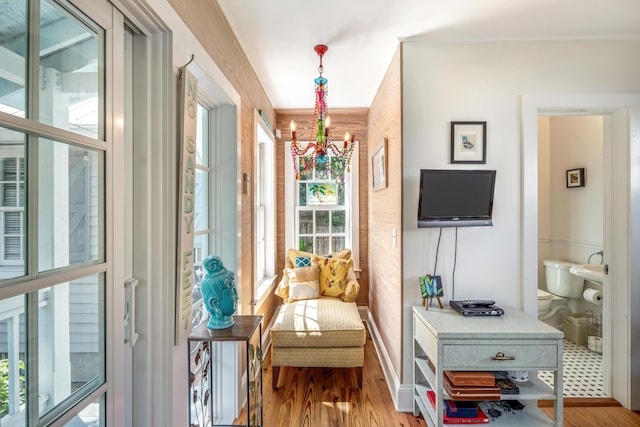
<point>12,212</point>
<point>337,221</point>
<point>304,175</point>
<point>13,44</point>
<point>322,246</point>
<point>70,205</point>
<point>305,222</point>
<point>202,136</point>
<point>341,194</point>
<point>302,192</point>
<point>12,361</point>
<point>201,251</point>
<point>305,244</point>
<point>201,209</point>
<point>71,71</point>
<point>322,169</point>
<point>71,339</point>
<point>91,416</point>
<point>322,221</point>
<point>201,248</point>
<point>337,244</point>
<point>337,167</point>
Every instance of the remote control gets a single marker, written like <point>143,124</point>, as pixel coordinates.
<point>477,303</point>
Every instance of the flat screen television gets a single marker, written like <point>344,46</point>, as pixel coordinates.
<point>456,198</point>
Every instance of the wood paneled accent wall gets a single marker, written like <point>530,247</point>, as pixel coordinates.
<point>353,120</point>
<point>385,215</point>
<point>208,24</point>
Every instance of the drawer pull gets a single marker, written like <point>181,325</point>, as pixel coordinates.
<point>500,356</point>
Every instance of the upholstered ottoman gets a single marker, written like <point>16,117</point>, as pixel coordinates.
<point>321,332</point>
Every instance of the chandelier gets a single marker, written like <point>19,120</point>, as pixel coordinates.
<point>320,149</point>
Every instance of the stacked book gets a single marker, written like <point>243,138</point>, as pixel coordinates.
<point>507,386</point>
<point>460,412</point>
<point>469,385</point>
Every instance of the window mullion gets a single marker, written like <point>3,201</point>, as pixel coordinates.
<point>31,255</point>
<point>33,59</point>
<point>31,144</point>
<point>31,363</point>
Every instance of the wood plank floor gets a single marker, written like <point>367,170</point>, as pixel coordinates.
<point>319,397</point>
<point>323,397</point>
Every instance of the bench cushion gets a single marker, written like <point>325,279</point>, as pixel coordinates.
<point>322,322</point>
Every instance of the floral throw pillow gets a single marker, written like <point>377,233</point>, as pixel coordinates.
<point>333,276</point>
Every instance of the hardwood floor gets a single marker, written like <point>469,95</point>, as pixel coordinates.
<point>318,397</point>
<point>323,397</point>
<point>597,417</point>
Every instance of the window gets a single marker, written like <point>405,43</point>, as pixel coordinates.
<point>53,271</point>
<point>264,194</point>
<point>202,233</point>
<point>322,212</point>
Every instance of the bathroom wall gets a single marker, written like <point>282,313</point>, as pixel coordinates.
<point>570,220</point>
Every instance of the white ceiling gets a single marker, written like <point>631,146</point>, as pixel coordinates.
<point>362,35</point>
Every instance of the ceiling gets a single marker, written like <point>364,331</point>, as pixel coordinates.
<point>362,35</point>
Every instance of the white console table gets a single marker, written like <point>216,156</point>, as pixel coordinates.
<point>451,341</point>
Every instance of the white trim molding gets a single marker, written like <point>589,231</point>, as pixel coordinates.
<point>401,394</point>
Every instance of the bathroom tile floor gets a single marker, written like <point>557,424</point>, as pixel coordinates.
<point>582,372</point>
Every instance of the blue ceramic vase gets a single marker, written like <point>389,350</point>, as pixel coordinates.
<point>219,293</point>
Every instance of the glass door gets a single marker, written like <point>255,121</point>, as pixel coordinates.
<point>59,277</point>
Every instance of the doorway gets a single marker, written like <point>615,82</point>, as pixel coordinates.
<point>621,118</point>
<point>570,230</point>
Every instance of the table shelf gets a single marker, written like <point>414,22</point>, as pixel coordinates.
<point>443,340</point>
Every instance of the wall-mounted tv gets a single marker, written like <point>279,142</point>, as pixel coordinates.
<point>456,198</point>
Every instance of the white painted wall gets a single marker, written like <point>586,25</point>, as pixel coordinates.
<point>570,220</point>
<point>544,187</point>
<point>576,213</point>
<point>484,81</point>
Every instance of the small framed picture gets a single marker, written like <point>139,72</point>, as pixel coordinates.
<point>431,286</point>
<point>379,167</point>
<point>575,178</point>
<point>468,142</point>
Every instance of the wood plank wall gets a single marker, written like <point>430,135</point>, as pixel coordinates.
<point>210,27</point>
<point>385,215</point>
<point>354,121</point>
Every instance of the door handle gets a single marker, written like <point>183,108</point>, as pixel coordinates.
<point>130,334</point>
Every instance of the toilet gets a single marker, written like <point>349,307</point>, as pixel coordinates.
<point>562,287</point>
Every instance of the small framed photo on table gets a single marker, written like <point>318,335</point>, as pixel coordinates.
<point>575,178</point>
<point>468,142</point>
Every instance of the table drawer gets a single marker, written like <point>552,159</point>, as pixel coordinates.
<point>520,356</point>
<point>425,338</point>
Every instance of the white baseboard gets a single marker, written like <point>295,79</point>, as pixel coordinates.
<point>401,394</point>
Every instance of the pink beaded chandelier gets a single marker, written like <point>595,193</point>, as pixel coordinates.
<point>306,155</point>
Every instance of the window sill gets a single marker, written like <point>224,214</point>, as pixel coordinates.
<point>263,290</point>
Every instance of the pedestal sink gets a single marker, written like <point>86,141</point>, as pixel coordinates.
<point>591,272</point>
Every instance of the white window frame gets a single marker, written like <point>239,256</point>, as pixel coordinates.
<point>265,211</point>
<point>352,204</point>
<point>198,310</point>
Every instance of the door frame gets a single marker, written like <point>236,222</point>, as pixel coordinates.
<point>618,228</point>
